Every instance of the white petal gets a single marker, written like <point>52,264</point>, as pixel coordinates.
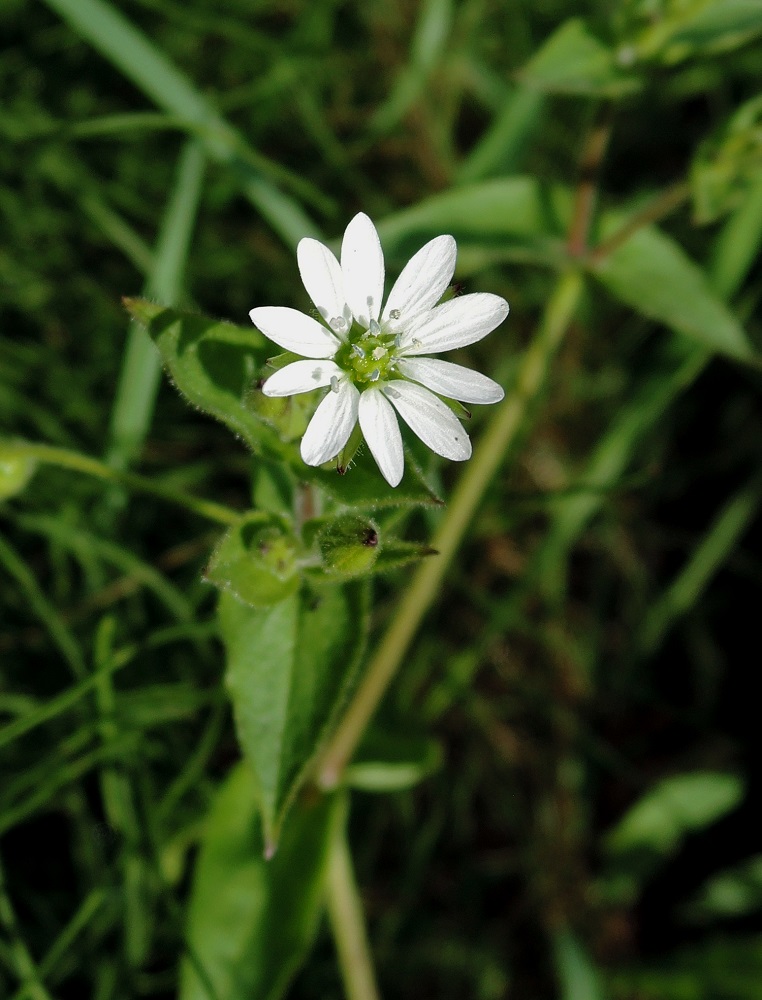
<point>293,331</point>
<point>434,423</point>
<point>382,433</point>
<point>452,380</point>
<point>331,425</point>
<point>423,282</point>
<point>322,277</point>
<point>456,323</point>
<point>300,376</point>
<point>362,264</point>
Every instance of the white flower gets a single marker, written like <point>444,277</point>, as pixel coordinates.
<point>372,360</point>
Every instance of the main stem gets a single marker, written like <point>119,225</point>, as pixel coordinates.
<point>500,434</point>
<point>345,913</point>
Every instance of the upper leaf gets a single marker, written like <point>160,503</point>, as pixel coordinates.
<point>214,364</point>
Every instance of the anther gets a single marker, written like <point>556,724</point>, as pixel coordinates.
<point>374,328</point>
<point>392,392</point>
<point>379,353</point>
<point>398,340</point>
<point>395,314</point>
<point>338,323</point>
<point>358,351</point>
<point>374,376</point>
<point>334,383</point>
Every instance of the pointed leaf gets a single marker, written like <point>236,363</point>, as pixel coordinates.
<point>214,365</point>
<point>654,276</point>
<point>251,922</point>
<point>289,670</point>
<point>574,61</point>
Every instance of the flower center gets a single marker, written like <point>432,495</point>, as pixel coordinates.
<point>367,356</point>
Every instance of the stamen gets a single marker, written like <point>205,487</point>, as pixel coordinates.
<point>334,383</point>
<point>395,314</point>
<point>375,375</point>
<point>374,328</point>
<point>416,342</point>
<point>338,323</point>
<point>379,353</point>
<point>391,392</point>
<point>398,340</point>
<point>358,351</point>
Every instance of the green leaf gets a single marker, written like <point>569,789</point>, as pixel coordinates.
<point>573,61</point>
<point>362,487</point>
<point>290,668</point>
<point>675,806</point>
<point>735,892</point>
<point>256,561</point>
<point>652,274</point>
<point>654,827</point>
<point>728,165</point>
<point>700,26</point>
<point>214,365</point>
<point>510,218</point>
<point>392,763</point>
<point>15,471</point>
<point>251,922</point>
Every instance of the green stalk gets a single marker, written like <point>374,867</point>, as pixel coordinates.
<point>500,435</point>
<point>65,459</point>
<point>345,913</point>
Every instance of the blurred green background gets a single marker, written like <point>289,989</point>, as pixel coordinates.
<point>583,817</point>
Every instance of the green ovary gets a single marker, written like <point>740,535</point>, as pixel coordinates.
<point>367,358</point>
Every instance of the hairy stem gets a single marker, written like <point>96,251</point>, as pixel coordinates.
<point>500,435</point>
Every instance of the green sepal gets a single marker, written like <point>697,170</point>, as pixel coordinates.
<point>348,545</point>
<point>256,561</point>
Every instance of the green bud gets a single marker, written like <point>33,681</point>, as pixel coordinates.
<point>256,562</point>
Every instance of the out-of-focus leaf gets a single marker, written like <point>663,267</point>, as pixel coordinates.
<point>577,975</point>
<point>672,808</point>
<point>734,892</point>
<point>514,217</point>
<point>15,471</point>
<point>717,969</point>
<point>654,827</point>
<point>574,61</point>
<point>256,561</point>
<point>213,364</point>
<point>289,670</point>
<point>691,28</point>
<point>729,164</point>
<point>392,763</point>
<point>650,273</point>
<point>251,922</point>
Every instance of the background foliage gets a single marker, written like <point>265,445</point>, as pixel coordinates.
<point>569,757</point>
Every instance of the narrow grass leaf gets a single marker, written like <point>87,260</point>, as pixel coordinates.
<point>141,364</point>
